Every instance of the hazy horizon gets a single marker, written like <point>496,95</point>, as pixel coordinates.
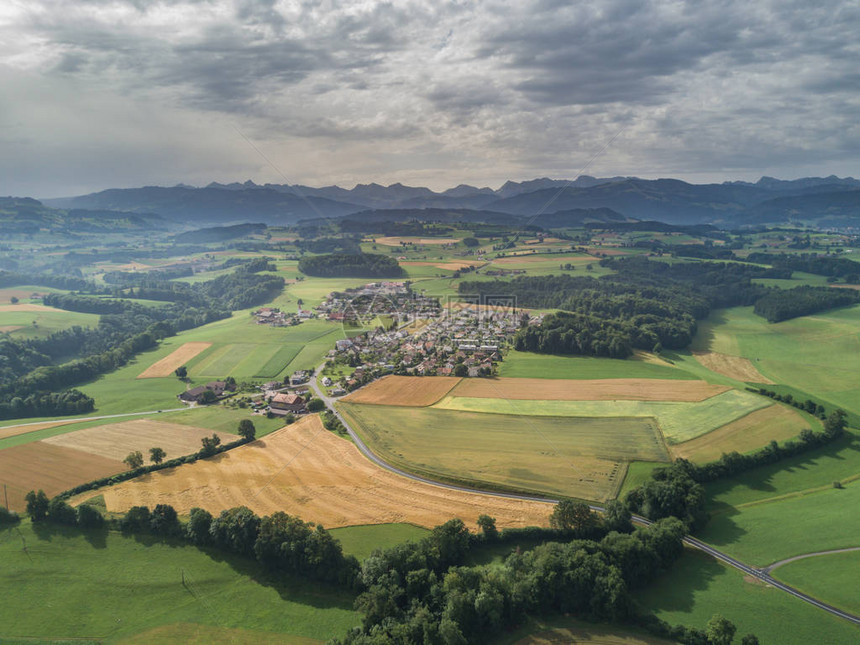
<point>100,95</point>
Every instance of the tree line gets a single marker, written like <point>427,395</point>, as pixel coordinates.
<point>344,265</point>
<point>781,305</point>
<point>645,304</point>
<point>826,265</point>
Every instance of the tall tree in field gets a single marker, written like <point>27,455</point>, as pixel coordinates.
<point>134,460</point>
<point>181,372</point>
<point>37,505</point>
<point>247,429</point>
<point>720,631</point>
<point>156,455</point>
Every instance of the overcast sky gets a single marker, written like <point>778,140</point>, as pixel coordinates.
<point>100,93</point>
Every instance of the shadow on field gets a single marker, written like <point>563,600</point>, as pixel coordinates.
<point>676,589</point>
<point>96,537</point>
<point>316,594</point>
<point>705,333</point>
<point>846,449</point>
<point>721,529</point>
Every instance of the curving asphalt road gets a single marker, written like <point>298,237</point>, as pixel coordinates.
<point>759,574</point>
<point>775,565</point>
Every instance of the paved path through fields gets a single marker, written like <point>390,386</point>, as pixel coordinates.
<point>71,420</point>
<point>759,574</point>
<point>775,565</point>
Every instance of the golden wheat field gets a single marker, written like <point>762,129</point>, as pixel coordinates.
<point>177,358</point>
<point>306,470</point>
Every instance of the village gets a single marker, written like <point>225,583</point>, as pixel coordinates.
<point>425,337</point>
<point>409,334</point>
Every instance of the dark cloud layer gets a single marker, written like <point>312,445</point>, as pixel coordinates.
<point>106,92</point>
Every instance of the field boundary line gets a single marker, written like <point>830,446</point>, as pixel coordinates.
<point>796,494</point>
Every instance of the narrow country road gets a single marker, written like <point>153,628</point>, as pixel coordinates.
<point>759,574</point>
<point>81,419</point>
<point>775,565</point>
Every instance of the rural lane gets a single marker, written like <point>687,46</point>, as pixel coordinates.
<point>69,420</point>
<point>775,565</point>
<point>759,574</point>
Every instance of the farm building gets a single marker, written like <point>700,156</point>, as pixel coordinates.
<point>196,394</point>
<point>285,402</point>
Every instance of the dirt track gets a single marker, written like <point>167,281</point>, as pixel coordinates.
<point>412,391</point>
<point>177,358</point>
<point>626,389</point>
<point>306,470</point>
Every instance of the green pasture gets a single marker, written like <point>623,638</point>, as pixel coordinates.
<point>583,458</point>
<point>762,533</point>
<point>531,365</point>
<point>832,578</point>
<point>819,468</point>
<point>697,587</point>
<point>361,541</point>
<point>6,293</point>
<point>278,362</point>
<point>558,629</point>
<point>70,584</point>
<point>815,354</point>
<point>798,279</point>
<point>638,472</point>
<point>679,421</point>
<point>313,291</point>
<point>40,324</point>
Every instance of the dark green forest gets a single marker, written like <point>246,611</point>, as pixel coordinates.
<point>348,265</point>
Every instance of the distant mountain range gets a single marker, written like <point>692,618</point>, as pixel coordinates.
<point>831,201</point>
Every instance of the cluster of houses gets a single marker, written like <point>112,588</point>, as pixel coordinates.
<point>362,304</point>
<point>277,318</point>
<point>463,342</point>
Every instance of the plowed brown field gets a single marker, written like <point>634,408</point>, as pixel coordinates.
<point>627,389</point>
<point>755,430</point>
<point>176,358</point>
<point>116,440</point>
<point>54,469</point>
<point>306,470</point>
<point>734,367</point>
<point>411,391</point>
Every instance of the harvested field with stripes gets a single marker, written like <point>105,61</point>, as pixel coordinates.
<point>177,358</point>
<point>52,468</point>
<point>411,391</point>
<point>116,440</point>
<point>625,389</point>
<point>306,470</point>
<point>734,367</point>
<point>773,423</point>
<point>574,457</point>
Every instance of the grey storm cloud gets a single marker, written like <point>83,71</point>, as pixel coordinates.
<point>421,91</point>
